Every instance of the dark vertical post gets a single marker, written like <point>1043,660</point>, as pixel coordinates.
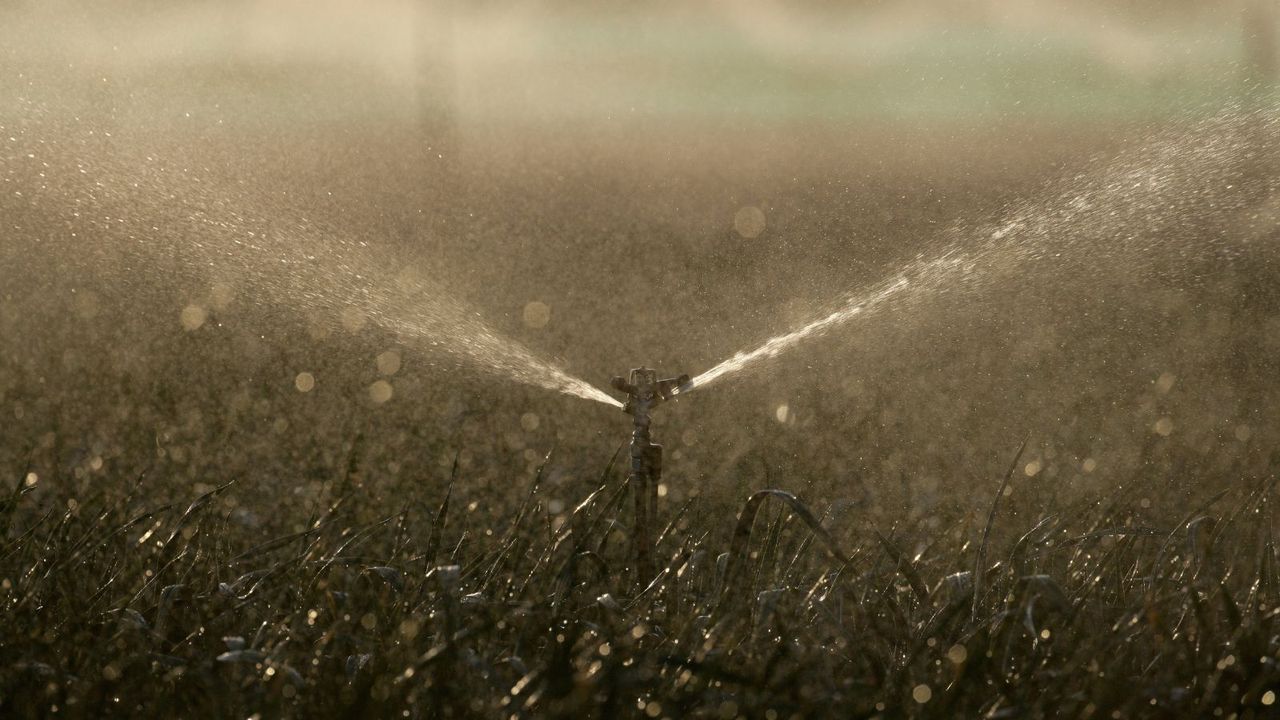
<point>644,486</point>
<point>644,392</point>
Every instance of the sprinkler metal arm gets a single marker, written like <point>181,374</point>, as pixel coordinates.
<point>644,392</point>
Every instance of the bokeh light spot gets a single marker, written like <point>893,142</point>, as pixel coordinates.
<point>1164,427</point>
<point>380,391</point>
<point>537,314</point>
<point>530,422</point>
<point>193,316</point>
<point>221,295</point>
<point>388,362</point>
<point>922,694</point>
<point>353,319</point>
<point>305,382</point>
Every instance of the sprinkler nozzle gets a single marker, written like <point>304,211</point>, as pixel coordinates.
<point>644,390</point>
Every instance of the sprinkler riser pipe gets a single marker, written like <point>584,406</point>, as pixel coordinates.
<point>644,392</point>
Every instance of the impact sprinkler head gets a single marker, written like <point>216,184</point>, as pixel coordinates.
<point>645,391</point>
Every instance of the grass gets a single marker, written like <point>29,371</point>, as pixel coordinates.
<point>184,531</point>
<point>117,605</point>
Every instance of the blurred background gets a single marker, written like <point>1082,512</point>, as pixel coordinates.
<point>611,184</point>
<point>714,64</point>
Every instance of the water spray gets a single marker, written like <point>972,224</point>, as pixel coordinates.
<point>644,392</point>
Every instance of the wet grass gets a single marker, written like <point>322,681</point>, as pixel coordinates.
<point>185,531</point>
<point>1106,606</point>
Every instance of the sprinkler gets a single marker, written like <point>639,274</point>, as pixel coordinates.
<point>644,392</point>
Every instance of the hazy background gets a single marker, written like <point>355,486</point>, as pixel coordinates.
<point>599,64</point>
<point>614,184</point>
